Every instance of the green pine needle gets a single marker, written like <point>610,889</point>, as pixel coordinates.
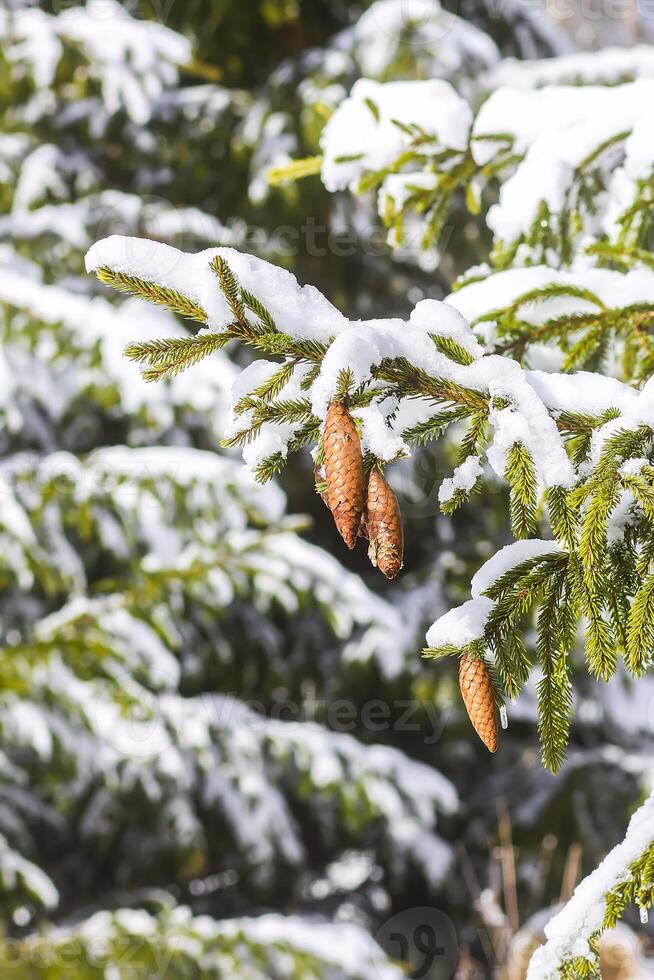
<point>154,293</point>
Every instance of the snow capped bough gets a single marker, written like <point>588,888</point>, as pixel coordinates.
<point>624,875</point>
<point>391,29</point>
<point>265,946</point>
<point>378,122</point>
<point>190,539</point>
<point>558,133</point>
<point>325,347</point>
<point>574,162</point>
<point>133,60</point>
<point>578,443</point>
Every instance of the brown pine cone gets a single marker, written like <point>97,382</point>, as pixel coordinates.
<point>384,526</point>
<point>343,472</point>
<point>477,693</point>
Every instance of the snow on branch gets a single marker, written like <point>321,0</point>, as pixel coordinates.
<point>607,66</point>
<point>23,881</point>
<point>626,874</point>
<point>380,357</point>
<point>562,135</point>
<point>131,60</point>
<point>266,945</point>
<point>575,448</point>
<point>567,320</point>
<point>185,529</point>
<point>570,160</point>
<point>391,31</point>
<point>379,122</point>
<point>235,760</point>
<point>287,319</point>
<point>261,558</point>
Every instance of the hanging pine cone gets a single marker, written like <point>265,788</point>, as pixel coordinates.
<point>477,693</point>
<point>384,526</point>
<point>343,472</point>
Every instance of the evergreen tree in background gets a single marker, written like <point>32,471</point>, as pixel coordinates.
<point>222,755</point>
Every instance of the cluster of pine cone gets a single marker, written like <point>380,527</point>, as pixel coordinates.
<point>361,508</point>
<point>369,509</point>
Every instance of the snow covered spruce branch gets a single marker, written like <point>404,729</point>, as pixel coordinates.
<point>208,546</point>
<point>625,875</point>
<point>171,937</point>
<point>574,163</point>
<point>576,450</point>
<point>130,62</point>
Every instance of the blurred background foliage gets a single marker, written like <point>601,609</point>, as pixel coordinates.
<point>189,764</point>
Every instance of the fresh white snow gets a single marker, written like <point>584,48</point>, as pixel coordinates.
<point>462,625</point>
<point>507,558</point>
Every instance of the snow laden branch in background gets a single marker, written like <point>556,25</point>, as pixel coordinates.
<point>93,689</point>
<point>204,499</point>
<point>567,320</point>
<point>75,224</point>
<point>575,448</point>
<point>73,76</point>
<point>418,35</point>
<point>409,141</point>
<point>625,875</point>
<point>391,39</point>
<point>24,881</point>
<point>132,60</point>
<point>571,160</point>
<point>89,335</point>
<point>608,66</point>
<point>260,947</point>
<point>586,160</point>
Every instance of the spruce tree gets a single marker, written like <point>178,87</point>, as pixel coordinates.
<point>162,611</point>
